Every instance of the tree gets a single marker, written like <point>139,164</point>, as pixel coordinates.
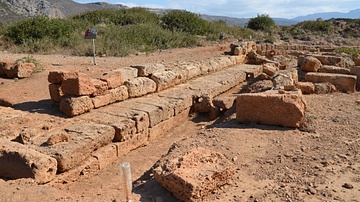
<point>262,22</point>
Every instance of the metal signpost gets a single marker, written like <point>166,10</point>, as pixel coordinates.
<point>91,34</point>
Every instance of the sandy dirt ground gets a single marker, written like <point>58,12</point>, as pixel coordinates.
<point>272,163</point>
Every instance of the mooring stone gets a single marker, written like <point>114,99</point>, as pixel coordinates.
<point>18,161</point>
<point>271,108</point>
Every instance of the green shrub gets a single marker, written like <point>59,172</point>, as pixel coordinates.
<point>350,51</point>
<point>262,22</point>
<point>119,17</point>
<point>37,28</point>
<point>315,26</point>
<point>184,21</point>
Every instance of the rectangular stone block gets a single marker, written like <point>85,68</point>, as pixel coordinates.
<point>331,60</point>
<point>180,97</point>
<point>165,79</point>
<point>128,73</point>
<point>78,86</point>
<point>193,174</point>
<point>355,70</point>
<point>113,79</point>
<point>18,161</point>
<point>101,100</point>
<point>55,92</point>
<point>84,138</point>
<point>100,86</point>
<point>72,106</point>
<point>146,70</point>
<point>125,128</point>
<point>119,94</point>
<point>271,108</point>
<point>342,82</point>
<point>252,71</point>
<point>334,70</point>
<point>165,126</point>
<point>58,76</point>
<point>140,86</point>
<point>121,109</point>
<point>105,155</point>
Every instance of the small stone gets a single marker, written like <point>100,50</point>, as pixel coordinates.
<point>348,186</point>
<point>235,158</point>
<point>312,190</point>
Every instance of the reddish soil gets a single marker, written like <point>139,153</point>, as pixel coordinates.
<point>272,163</point>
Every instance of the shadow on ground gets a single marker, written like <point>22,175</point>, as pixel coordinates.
<point>42,107</point>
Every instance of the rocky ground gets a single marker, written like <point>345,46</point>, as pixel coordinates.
<point>271,163</point>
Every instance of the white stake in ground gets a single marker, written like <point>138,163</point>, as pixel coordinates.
<point>126,169</point>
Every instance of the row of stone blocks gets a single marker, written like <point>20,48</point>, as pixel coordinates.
<point>77,93</point>
<point>91,141</point>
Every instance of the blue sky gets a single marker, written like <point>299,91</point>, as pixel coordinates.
<point>245,8</point>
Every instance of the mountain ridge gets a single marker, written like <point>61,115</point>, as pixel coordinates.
<point>15,10</point>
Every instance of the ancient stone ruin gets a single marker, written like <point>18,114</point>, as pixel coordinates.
<point>128,107</point>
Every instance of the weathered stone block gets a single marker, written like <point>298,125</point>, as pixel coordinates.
<point>18,161</point>
<point>101,100</point>
<point>9,70</point>
<point>72,106</point>
<point>306,87</point>
<point>344,83</point>
<point>149,69</point>
<point>58,76</point>
<point>78,86</point>
<point>311,64</point>
<point>165,79</point>
<point>334,70</point>
<point>55,92</point>
<point>355,70</point>
<point>324,88</point>
<point>125,128</point>
<point>192,175</point>
<point>84,138</point>
<point>165,126</point>
<point>24,70</point>
<point>140,86</point>
<point>113,79</point>
<point>119,94</point>
<point>271,108</point>
<point>357,61</point>
<point>331,60</point>
<point>270,69</point>
<point>100,86</point>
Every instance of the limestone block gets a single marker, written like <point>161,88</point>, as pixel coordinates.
<point>357,61</point>
<point>113,79</point>
<point>306,87</point>
<point>100,86</point>
<point>165,79</point>
<point>271,108</point>
<point>72,106</point>
<point>189,71</point>
<point>78,86</point>
<point>140,86</point>
<point>252,71</point>
<point>342,82</point>
<point>58,76</point>
<point>311,64</point>
<point>84,138</point>
<point>324,88</point>
<point>334,70</point>
<point>2,68</point>
<point>121,109</point>
<point>10,70</point>
<point>24,70</point>
<point>331,60</point>
<point>224,103</point>
<point>149,69</point>
<point>55,92</point>
<point>165,126</point>
<point>193,174</point>
<point>18,161</point>
<point>128,72</point>
<point>101,100</point>
<point>355,70</point>
<point>180,97</point>
<point>125,128</point>
<point>270,69</point>
<point>119,94</point>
